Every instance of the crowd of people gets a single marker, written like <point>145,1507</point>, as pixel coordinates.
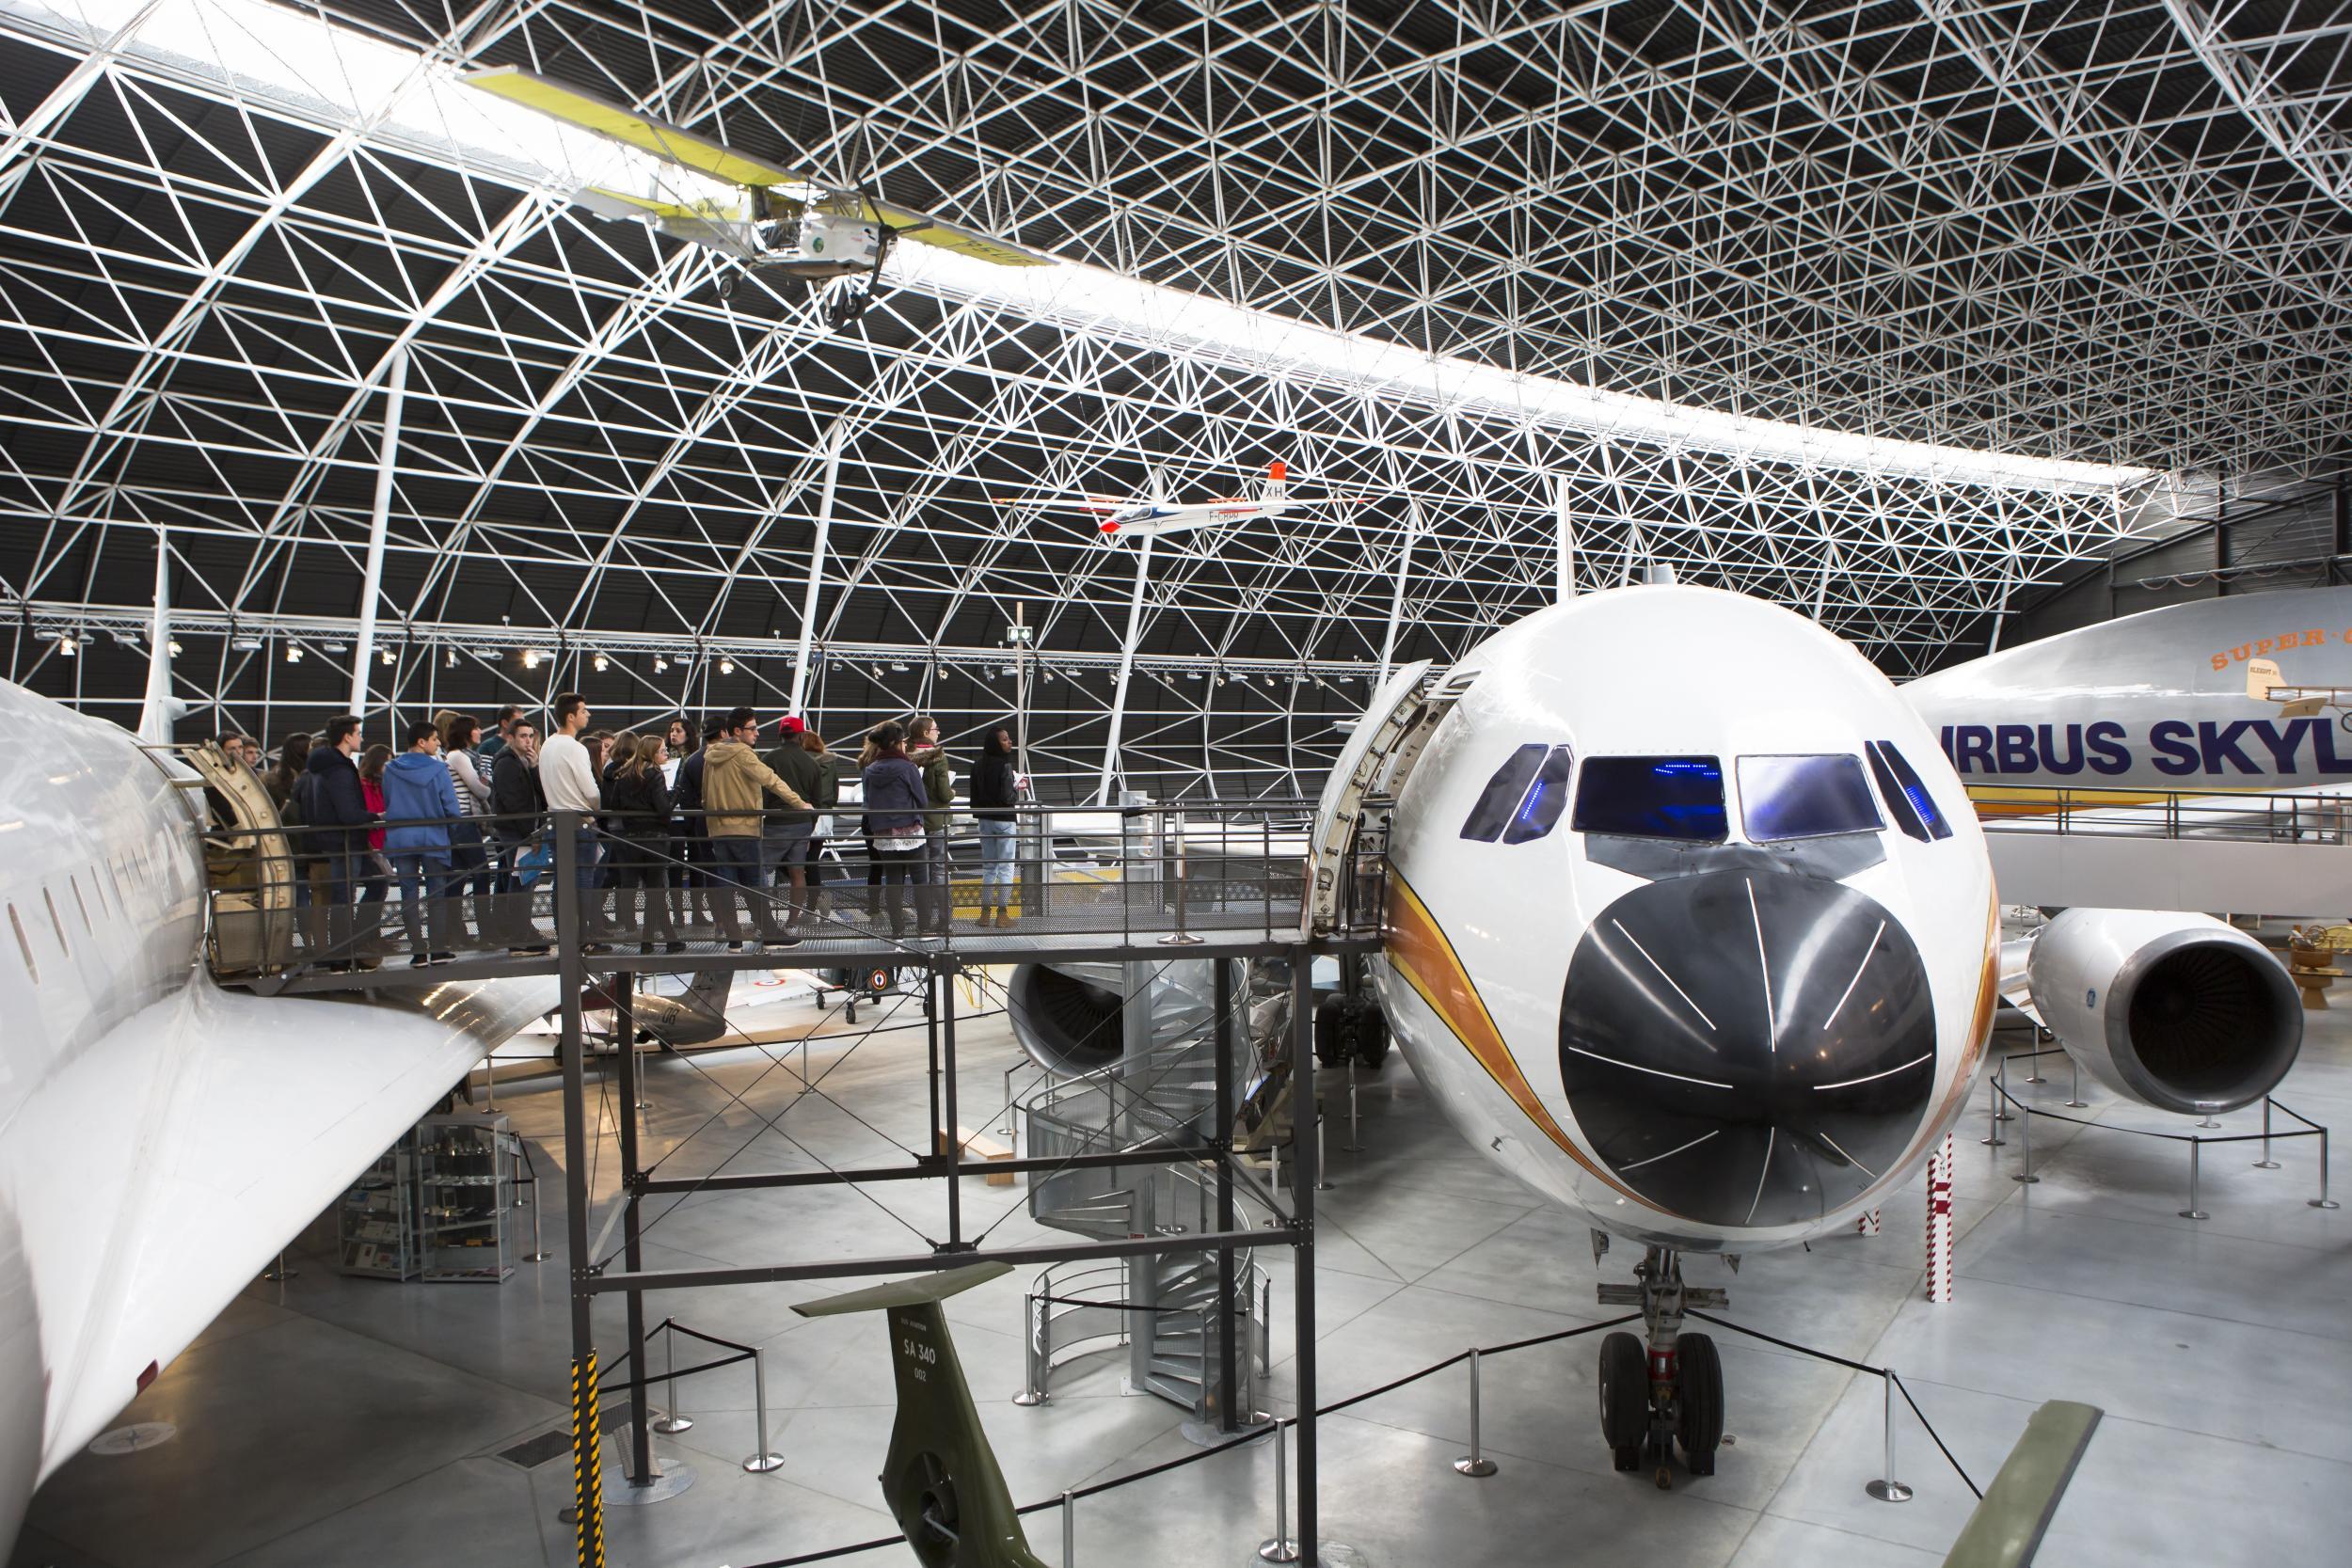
<point>685,830</point>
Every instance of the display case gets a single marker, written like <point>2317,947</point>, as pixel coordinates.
<point>377,1222</point>
<point>465,1197</point>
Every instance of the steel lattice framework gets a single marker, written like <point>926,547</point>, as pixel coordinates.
<point>2103,233</point>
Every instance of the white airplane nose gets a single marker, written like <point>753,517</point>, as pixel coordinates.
<point>1747,1046</point>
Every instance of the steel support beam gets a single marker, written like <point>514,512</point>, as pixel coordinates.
<point>379,524</point>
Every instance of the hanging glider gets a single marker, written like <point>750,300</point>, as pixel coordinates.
<point>781,219</point>
<point>1157,512</point>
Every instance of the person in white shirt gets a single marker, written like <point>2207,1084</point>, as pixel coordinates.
<point>569,779</point>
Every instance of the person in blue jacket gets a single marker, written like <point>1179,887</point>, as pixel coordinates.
<point>419,802</point>
<point>336,818</point>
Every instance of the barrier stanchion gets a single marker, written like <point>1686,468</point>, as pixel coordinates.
<point>1036,1350</point>
<point>2024,1130</point>
<point>1992,1138</point>
<point>1475,1462</point>
<point>1068,1529</point>
<point>761,1461</point>
<point>2266,1163</point>
<point>2074,1100</point>
<point>672,1421</point>
<point>1280,1547</point>
<point>1940,1223</point>
<point>2323,1200</point>
<point>1323,1167</point>
<point>1886,1489</point>
<point>2196,1147</point>
<point>280,1270</point>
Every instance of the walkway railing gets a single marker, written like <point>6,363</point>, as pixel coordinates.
<point>2253,817</point>
<point>291,900</point>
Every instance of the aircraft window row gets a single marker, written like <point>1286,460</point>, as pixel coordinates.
<point>1672,797</point>
<point>56,925</point>
<point>1907,799</point>
<point>1783,798</point>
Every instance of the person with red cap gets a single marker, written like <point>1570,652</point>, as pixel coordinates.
<point>787,838</point>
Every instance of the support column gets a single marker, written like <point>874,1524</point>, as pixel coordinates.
<point>1303,1178</point>
<point>640,1367</point>
<point>1126,668</point>
<point>1564,528</point>
<point>372,579</point>
<point>837,438</point>
<point>1229,1416</point>
<point>587,1439</point>
<point>1396,589</point>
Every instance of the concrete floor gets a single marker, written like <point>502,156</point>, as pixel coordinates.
<point>327,1421</point>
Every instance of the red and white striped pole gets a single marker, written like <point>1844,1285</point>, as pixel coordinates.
<point>1867,1223</point>
<point>1940,1223</point>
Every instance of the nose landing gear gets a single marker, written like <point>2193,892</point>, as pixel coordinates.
<point>1669,1391</point>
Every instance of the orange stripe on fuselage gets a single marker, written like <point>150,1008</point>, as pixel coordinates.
<point>1417,950</point>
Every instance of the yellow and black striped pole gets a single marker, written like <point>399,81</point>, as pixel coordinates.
<point>587,1468</point>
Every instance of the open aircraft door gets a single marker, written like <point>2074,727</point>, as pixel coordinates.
<point>1379,755</point>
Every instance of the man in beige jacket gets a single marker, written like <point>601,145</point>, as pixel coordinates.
<point>735,782</point>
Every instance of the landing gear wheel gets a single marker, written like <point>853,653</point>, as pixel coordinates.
<point>723,286</point>
<point>1371,1039</point>
<point>1331,1032</point>
<point>1625,1398</point>
<point>1698,1402</point>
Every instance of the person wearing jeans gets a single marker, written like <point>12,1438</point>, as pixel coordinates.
<point>567,777</point>
<point>419,797</point>
<point>995,786</point>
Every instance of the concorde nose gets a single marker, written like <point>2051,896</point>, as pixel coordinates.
<point>1747,1046</point>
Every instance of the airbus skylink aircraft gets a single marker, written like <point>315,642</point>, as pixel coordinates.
<point>162,1137</point>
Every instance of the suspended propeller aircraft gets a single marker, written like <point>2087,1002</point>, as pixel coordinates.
<point>783,220</point>
<point>1157,511</point>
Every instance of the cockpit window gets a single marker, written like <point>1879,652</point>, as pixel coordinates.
<point>1503,792</point>
<point>1805,797</point>
<point>1679,798</point>
<point>1907,799</point>
<point>1539,809</point>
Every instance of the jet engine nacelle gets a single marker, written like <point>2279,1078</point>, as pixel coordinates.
<point>1068,1016</point>
<point>1075,1018</point>
<point>2177,1011</point>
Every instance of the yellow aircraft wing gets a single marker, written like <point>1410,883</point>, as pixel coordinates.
<point>909,224</point>
<point>617,122</point>
<point>613,203</point>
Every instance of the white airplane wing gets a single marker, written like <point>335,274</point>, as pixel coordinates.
<point>191,1143</point>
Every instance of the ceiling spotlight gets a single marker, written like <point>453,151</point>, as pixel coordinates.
<point>245,644</point>
<point>449,659</point>
<point>530,659</point>
<point>337,647</point>
<point>660,664</point>
<point>172,647</point>
<point>384,657</point>
<point>68,644</point>
<point>726,665</point>
<point>1011,671</point>
<point>899,665</point>
<point>293,652</point>
<point>602,663</point>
